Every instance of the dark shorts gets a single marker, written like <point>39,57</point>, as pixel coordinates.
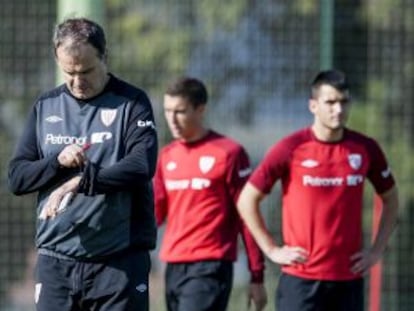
<point>298,294</point>
<point>200,286</point>
<point>117,284</point>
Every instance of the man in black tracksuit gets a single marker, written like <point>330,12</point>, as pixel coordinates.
<point>89,149</point>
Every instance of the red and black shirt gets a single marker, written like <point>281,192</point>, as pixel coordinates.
<point>196,190</point>
<point>322,196</point>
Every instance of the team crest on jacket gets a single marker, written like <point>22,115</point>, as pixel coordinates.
<point>108,116</point>
<point>355,160</point>
<point>206,163</point>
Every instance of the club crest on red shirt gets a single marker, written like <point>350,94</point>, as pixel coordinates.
<point>206,163</point>
<point>355,160</point>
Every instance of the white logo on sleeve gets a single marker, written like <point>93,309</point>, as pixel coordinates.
<point>206,163</point>
<point>38,289</point>
<point>386,173</point>
<point>245,172</point>
<point>108,116</point>
<point>355,160</point>
<point>142,288</point>
<point>146,123</point>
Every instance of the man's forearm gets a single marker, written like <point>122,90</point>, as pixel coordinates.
<point>249,210</point>
<point>388,220</point>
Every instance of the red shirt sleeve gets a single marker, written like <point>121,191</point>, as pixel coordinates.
<point>379,172</point>
<point>238,173</point>
<point>160,195</point>
<point>272,168</point>
<point>254,256</point>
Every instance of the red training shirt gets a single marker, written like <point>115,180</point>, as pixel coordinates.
<point>322,196</point>
<point>196,188</point>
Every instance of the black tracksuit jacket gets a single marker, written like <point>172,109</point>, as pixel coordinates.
<point>113,210</point>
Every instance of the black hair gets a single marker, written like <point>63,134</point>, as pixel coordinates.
<point>335,78</point>
<point>80,30</point>
<point>189,88</point>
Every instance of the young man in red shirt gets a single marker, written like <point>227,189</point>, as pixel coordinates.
<point>322,171</point>
<point>197,182</point>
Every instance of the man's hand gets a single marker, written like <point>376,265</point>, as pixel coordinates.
<point>288,255</point>
<point>363,261</point>
<point>73,156</point>
<point>257,294</point>
<point>53,205</point>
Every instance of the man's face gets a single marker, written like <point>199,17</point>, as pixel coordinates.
<point>330,108</point>
<point>184,121</point>
<point>84,72</point>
